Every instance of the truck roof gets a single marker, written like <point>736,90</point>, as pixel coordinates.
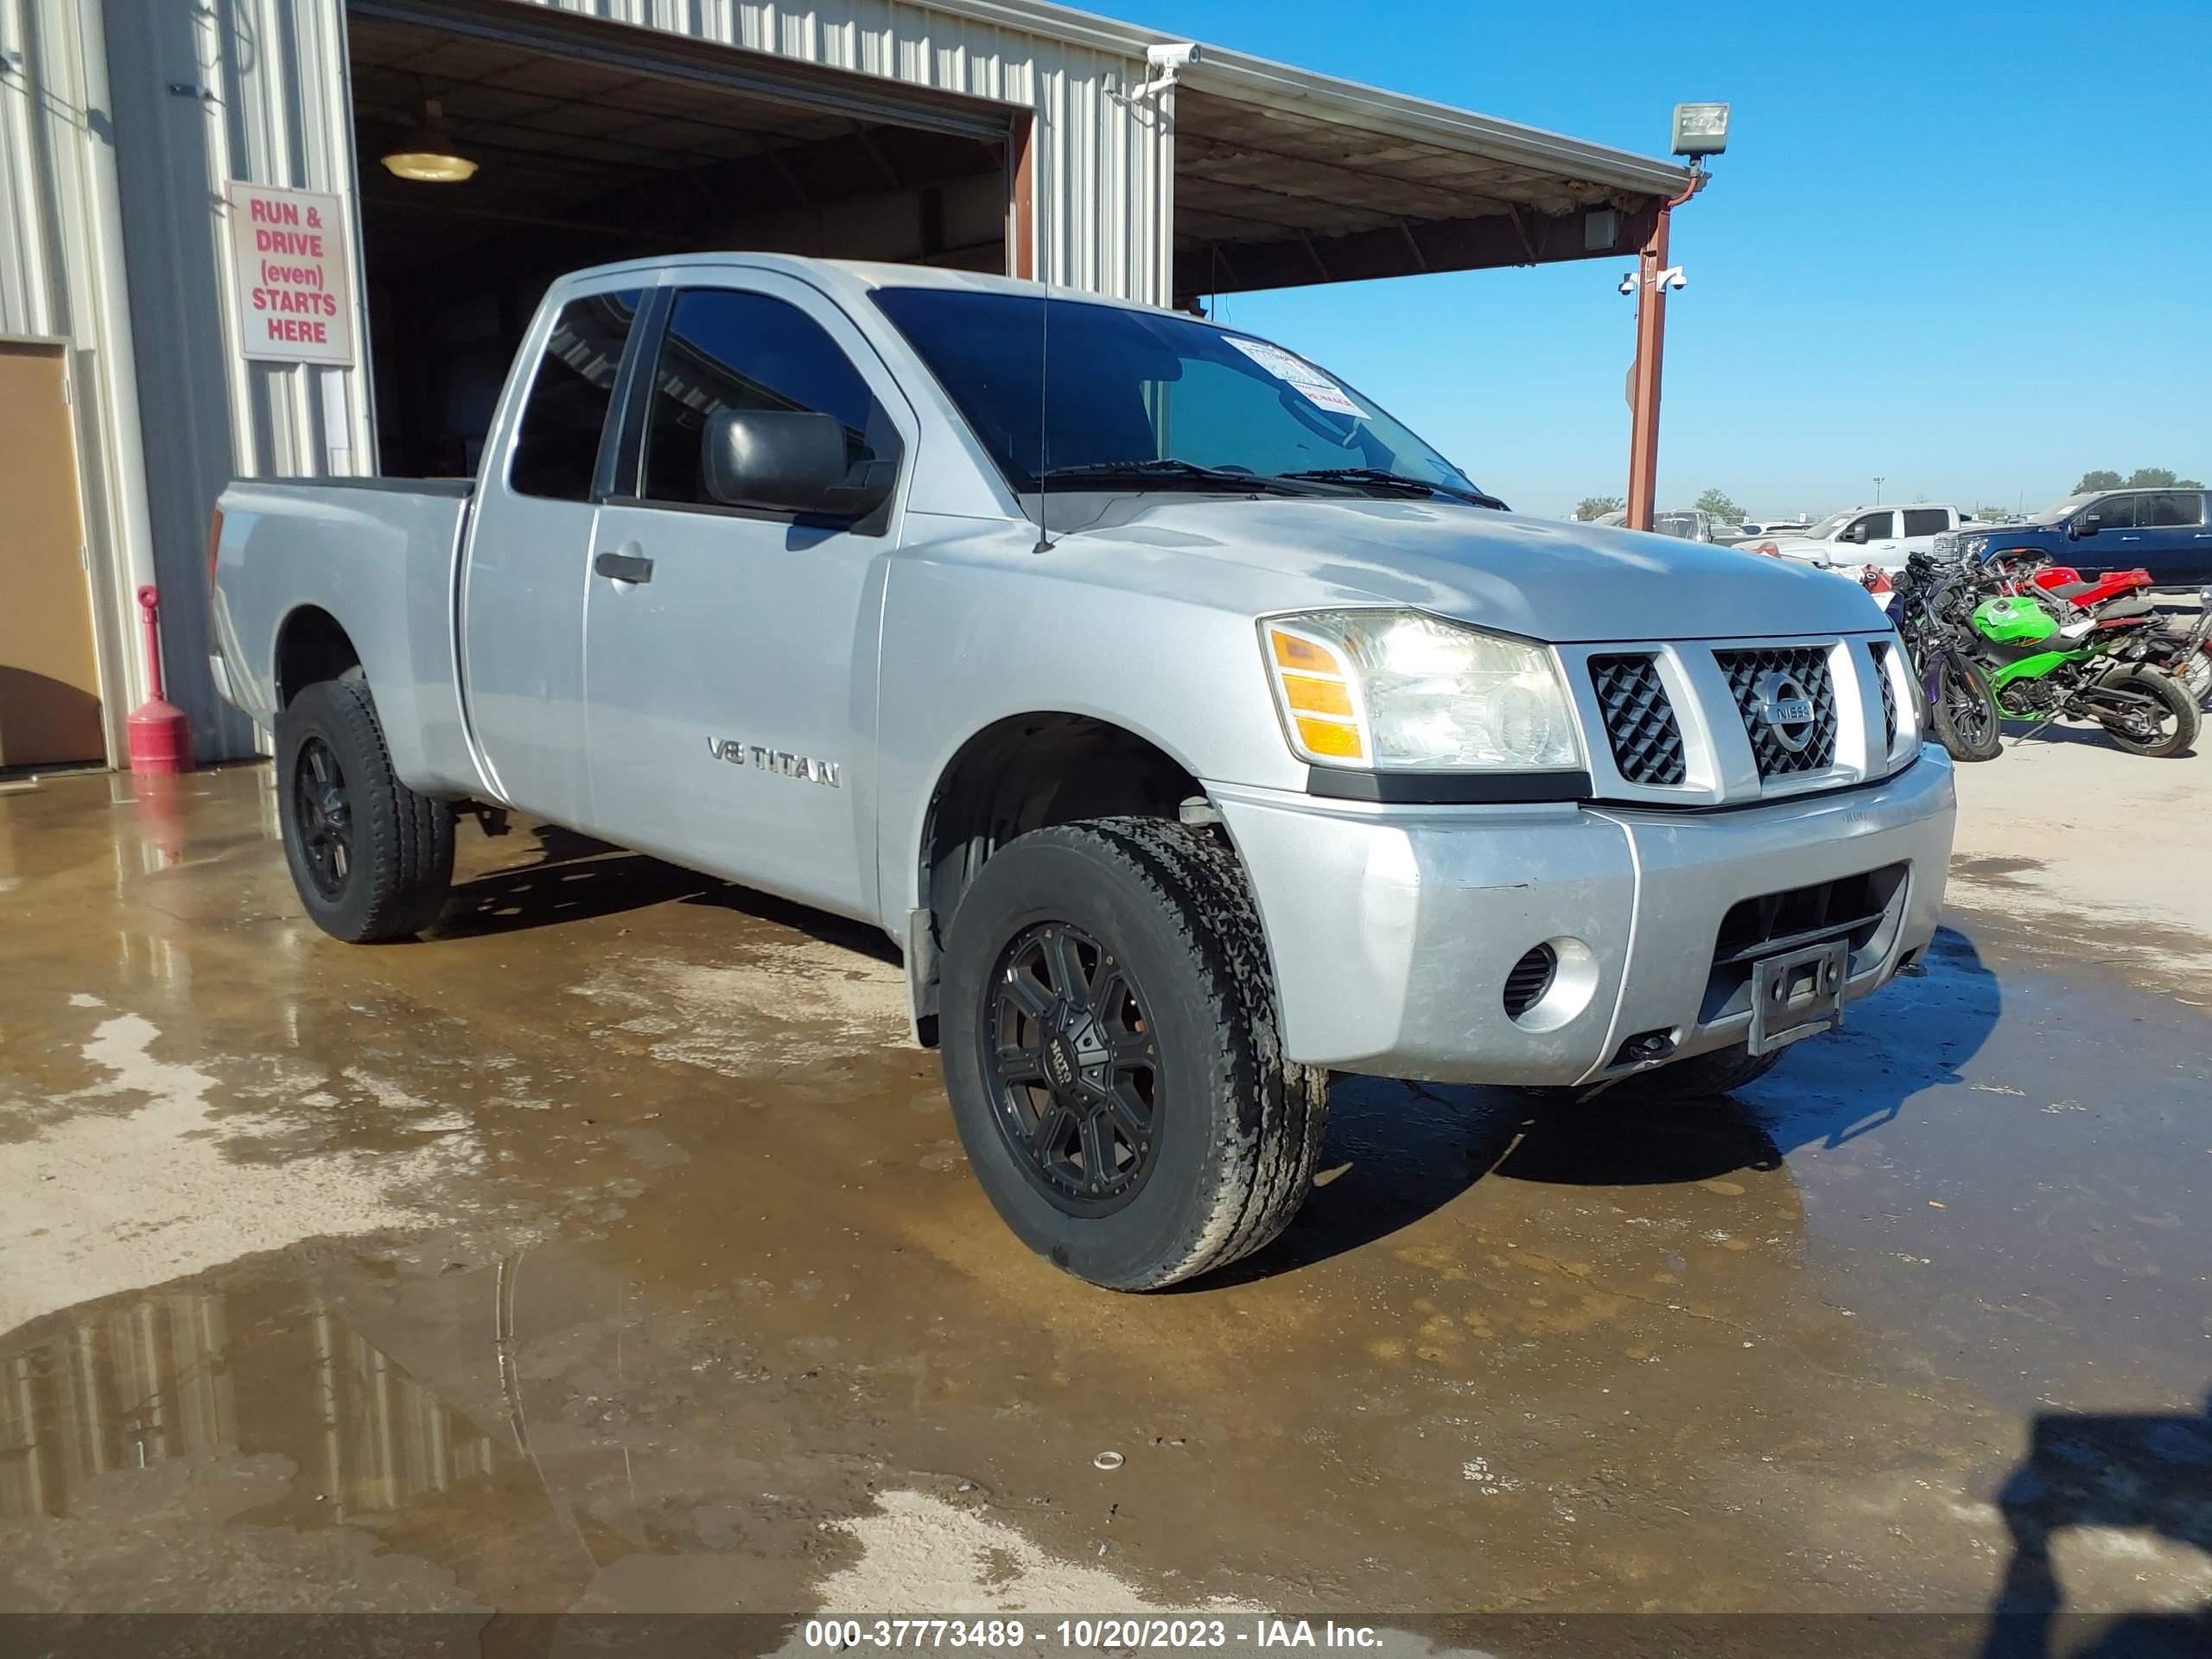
<point>860,273</point>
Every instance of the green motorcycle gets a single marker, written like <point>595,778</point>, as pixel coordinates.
<point>2092,669</point>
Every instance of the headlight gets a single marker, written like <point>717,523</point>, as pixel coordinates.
<point>1399,691</point>
<point>1973,546</point>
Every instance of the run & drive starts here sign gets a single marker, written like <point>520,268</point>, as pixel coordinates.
<point>288,250</point>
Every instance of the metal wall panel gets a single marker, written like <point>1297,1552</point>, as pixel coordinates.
<point>61,278</point>
<point>122,121</point>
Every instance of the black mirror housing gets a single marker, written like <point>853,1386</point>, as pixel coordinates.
<point>2084,524</point>
<point>777,460</point>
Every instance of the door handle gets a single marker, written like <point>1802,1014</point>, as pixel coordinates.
<point>624,567</point>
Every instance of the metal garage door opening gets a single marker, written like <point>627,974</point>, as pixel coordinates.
<point>591,146</point>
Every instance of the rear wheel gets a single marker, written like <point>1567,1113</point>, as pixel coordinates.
<point>2168,721</point>
<point>1964,716</point>
<point>1112,1054</point>
<point>371,859</point>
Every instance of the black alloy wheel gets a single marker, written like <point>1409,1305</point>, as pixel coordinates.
<point>325,814</point>
<point>1074,1062</point>
<point>369,857</point>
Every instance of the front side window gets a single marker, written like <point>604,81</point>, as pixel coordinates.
<point>1926,521</point>
<point>2171,510</point>
<point>1874,527</point>
<point>728,349</point>
<point>1072,386</point>
<point>2114,513</point>
<point>556,445</point>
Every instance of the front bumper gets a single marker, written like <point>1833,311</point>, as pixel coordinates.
<point>1393,929</point>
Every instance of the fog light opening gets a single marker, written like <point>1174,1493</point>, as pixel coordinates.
<point>1552,982</point>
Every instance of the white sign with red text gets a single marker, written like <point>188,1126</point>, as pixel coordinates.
<point>289,254</point>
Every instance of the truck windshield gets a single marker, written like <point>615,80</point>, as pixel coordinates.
<point>1113,396</point>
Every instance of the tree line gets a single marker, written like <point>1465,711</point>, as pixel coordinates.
<point>1720,505</point>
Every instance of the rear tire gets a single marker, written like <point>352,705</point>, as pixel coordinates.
<point>2177,726</point>
<point>1964,717</point>
<point>1163,1136</point>
<point>371,859</point>
<point>1702,1077</point>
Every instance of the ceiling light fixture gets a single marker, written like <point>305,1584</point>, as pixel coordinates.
<point>428,155</point>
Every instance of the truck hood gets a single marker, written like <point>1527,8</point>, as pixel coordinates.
<point>1564,583</point>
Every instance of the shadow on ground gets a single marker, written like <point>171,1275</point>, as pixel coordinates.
<point>2147,1471</point>
<point>576,878</point>
<point>1397,1151</point>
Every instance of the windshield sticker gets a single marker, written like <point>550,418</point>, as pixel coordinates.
<point>1309,382</point>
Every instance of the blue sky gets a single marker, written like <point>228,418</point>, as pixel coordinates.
<point>1966,248</point>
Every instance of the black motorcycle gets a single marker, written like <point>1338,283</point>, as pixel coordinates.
<point>1960,709</point>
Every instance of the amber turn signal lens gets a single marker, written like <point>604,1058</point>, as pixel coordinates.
<point>1312,696</point>
<point>1328,737</point>
<point>1291,651</point>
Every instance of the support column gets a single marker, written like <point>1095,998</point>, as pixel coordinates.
<point>1643,389</point>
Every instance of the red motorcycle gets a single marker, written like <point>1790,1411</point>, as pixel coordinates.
<point>2117,599</point>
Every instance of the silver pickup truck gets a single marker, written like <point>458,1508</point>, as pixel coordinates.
<point>1194,728</point>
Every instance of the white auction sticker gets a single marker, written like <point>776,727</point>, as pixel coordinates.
<point>1309,382</point>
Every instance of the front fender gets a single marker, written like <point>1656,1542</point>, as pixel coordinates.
<point>967,643</point>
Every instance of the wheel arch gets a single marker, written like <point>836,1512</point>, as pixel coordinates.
<point>1020,772</point>
<point>311,644</point>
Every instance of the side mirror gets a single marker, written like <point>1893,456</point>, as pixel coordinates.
<point>2085,524</point>
<point>778,460</point>
<point>1856,534</point>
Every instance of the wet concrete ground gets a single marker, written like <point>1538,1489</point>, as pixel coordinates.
<point>608,1249</point>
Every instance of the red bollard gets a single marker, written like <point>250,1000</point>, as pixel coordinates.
<point>161,737</point>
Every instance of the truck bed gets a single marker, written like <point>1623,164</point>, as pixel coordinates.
<point>380,558</point>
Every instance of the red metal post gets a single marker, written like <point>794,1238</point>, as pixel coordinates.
<point>1643,388</point>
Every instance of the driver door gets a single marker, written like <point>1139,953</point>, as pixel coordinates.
<point>731,652</point>
<point>1874,534</point>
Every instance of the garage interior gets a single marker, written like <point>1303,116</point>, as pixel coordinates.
<point>591,148</point>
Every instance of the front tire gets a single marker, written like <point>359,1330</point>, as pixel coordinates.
<point>1112,1053</point>
<point>2175,724</point>
<point>371,859</point>
<point>1964,717</point>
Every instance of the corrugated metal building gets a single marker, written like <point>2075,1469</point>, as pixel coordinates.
<point>996,133</point>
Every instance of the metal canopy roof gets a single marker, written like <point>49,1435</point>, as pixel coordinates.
<point>1285,177</point>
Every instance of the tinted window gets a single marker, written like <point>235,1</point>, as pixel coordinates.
<point>1076,384</point>
<point>1926,521</point>
<point>2179,507</point>
<point>2114,513</point>
<point>725,349</point>
<point>556,450</point>
<point>1876,527</point>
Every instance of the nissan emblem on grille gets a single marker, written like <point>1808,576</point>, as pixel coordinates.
<point>1787,702</point>
<point>1787,710</point>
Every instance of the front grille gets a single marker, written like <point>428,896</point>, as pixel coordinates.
<point>1881,650</point>
<point>1775,921</point>
<point>1640,724</point>
<point>1858,909</point>
<point>1530,978</point>
<point>1808,666</point>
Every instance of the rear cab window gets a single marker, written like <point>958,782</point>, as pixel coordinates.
<point>1927,521</point>
<point>557,441</point>
<point>2172,510</point>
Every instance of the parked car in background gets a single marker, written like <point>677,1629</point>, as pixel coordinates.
<point>1684,523</point>
<point>2167,532</point>
<point>1881,537</point>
